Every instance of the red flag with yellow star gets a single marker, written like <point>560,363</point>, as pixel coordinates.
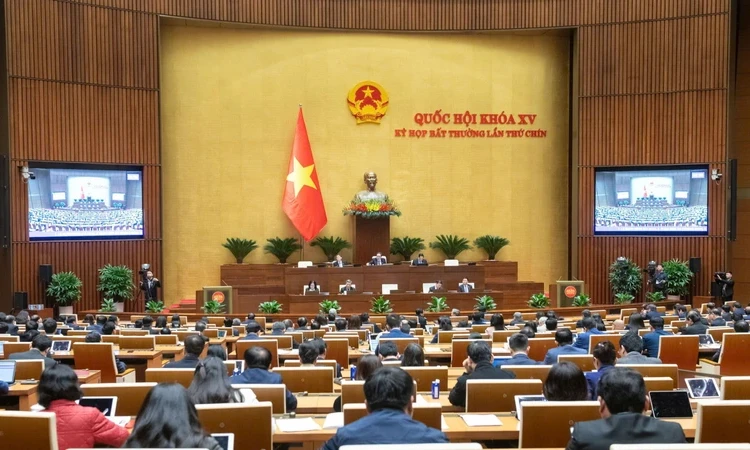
<point>303,201</point>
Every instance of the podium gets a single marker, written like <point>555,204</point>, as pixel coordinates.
<point>371,236</point>
<point>222,294</point>
<point>566,291</point>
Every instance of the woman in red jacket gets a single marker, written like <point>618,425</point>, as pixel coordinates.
<point>77,426</point>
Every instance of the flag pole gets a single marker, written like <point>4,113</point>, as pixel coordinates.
<point>302,250</point>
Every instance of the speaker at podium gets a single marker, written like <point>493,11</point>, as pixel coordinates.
<point>567,291</point>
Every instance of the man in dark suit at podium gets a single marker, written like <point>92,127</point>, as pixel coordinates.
<point>377,260</point>
<point>420,261</point>
<point>465,286</point>
<point>347,288</point>
<point>338,261</point>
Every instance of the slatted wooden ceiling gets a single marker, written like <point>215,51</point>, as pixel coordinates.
<point>652,87</point>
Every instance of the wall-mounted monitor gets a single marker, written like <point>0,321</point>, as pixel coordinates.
<point>651,200</point>
<point>85,202</point>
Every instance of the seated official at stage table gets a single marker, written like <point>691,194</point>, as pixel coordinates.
<point>464,286</point>
<point>258,371</point>
<point>420,261</point>
<point>348,287</point>
<point>378,260</point>
<point>338,261</point>
<point>478,365</point>
<point>438,287</point>
<point>312,287</point>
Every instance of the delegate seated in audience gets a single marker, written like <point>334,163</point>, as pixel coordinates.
<point>176,323</point>
<point>476,319</point>
<point>32,331</point>
<point>253,330</point>
<point>388,351</point>
<point>746,317</point>
<point>258,371</point>
<point>551,324</point>
<point>715,319</point>
<point>651,340</point>
<point>40,348</point>
<point>635,323</point>
<point>333,314</point>
<point>354,323</point>
<point>413,356</point>
<point>72,323</point>
<point>694,324</point>
<point>517,319</point>
<point>95,337</point>
<point>194,345</point>
<point>50,327</point>
<point>322,353</point>
<point>738,312</point>
<point>584,315</point>
<point>739,327</point>
<point>366,366</point>
<point>618,325</point>
<point>77,426</point>
<point>340,324</point>
<point>622,400</point>
<point>519,352</point>
<point>250,318</point>
<point>589,326</point>
<point>100,321</point>
<point>421,319</point>
<point>159,325</point>
<point>366,321</point>
<point>393,328</point>
<point>444,324</point>
<point>217,351</point>
<point>278,329</point>
<point>12,327</point>
<point>211,385</point>
<point>528,332</point>
<point>605,357</point>
<point>650,311</point>
<point>168,419</point>
<point>497,323</point>
<point>302,324</point>
<point>478,366</point>
<point>138,324</point>
<point>308,354</point>
<point>565,383</point>
<point>630,351</point>
<point>564,339</point>
<point>388,396</point>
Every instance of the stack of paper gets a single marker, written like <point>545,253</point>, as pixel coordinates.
<point>293,425</point>
<point>334,420</point>
<point>481,420</point>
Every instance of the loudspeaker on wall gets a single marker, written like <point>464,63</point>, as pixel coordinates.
<point>695,265</point>
<point>45,273</point>
<point>20,300</point>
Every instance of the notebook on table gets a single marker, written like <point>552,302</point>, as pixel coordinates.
<point>670,404</point>
<point>702,387</point>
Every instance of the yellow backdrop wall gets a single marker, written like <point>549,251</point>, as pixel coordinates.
<point>229,101</point>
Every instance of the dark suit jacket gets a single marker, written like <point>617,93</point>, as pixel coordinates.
<point>338,264</point>
<point>718,322</point>
<point>34,354</point>
<point>385,426</point>
<point>553,353</point>
<point>12,330</point>
<point>434,289</point>
<point>625,428</point>
<point>374,261</point>
<point>519,359</point>
<point>188,362</point>
<point>651,342</point>
<point>467,288</point>
<point>255,375</point>
<point>417,262</point>
<point>375,328</point>
<point>698,328</point>
<point>660,282</point>
<point>592,379</point>
<point>483,371</point>
<point>727,287</point>
<point>422,320</point>
<point>344,289</point>
<point>583,339</point>
<point>151,293</point>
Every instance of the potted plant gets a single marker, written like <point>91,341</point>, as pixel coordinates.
<point>625,277</point>
<point>654,296</point>
<point>154,306</point>
<point>486,302</point>
<point>65,288</point>
<point>240,248</point>
<point>212,307</point>
<point>491,244</point>
<point>330,245</point>
<point>282,248</point>
<point>450,245</point>
<point>678,278</point>
<point>581,300</point>
<point>539,301</point>
<point>270,307</point>
<point>108,306</point>
<point>437,304</point>
<point>327,305</point>
<point>381,305</point>
<point>116,282</point>
<point>623,298</point>
<point>406,246</point>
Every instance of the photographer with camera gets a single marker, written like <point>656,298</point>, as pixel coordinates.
<point>149,284</point>
<point>657,278</point>
<point>725,280</point>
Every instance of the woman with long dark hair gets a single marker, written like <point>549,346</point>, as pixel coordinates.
<point>168,419</point>
<point>565,383</point>
<point>355,322</point>
<point>211,384</point>
<point>497,323</point>
<point>413,356</point>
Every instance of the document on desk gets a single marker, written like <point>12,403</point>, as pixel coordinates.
<point>334,420</point>
<point>293,425</point>
<point>420,400</point>
<point>481,420</point>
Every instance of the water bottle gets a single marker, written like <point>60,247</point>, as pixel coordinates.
<point>436,389</point>
<point>352,372</point>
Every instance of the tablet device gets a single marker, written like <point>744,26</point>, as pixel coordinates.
<point>105,405</point>
<point>221,334</point>
<point>706,339</point>
<point>240,365</point>
<point>702,387</point>
<point>8,371</point>
<point>60,346</point>
<point>670,404</point>
<point>526,398</point>
<point>225,440</point>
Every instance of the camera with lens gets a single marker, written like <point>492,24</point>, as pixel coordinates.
<point>720,275</point>
<point>144,268</point>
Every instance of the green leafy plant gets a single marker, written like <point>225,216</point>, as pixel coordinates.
<point>654,296</point>
<point>154,306</point>
<point>437,304</point>
<point>406,246</point>
<point>65,288</point>
<point>450,245</point>
<point>491,244</point>
<point>271,307</point>
<point>486,302</point>
<point>625,277</point>
<point>116,282</point>
<point>623,298</point>
<point>330,245</point>
<point>539,301</point>
<point>212,307</point>
<point>240,248</point>
<point>108,306</point>
<point>327,305</point>
<point>581,300</point>
<point>282,248</point>
<point>381,305</point>
<point>678,277</point>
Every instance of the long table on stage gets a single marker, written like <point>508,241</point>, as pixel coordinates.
<point>359,303</point>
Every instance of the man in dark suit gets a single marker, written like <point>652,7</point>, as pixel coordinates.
<point>605,357</point>
<point>258,371</point>
<point>253,331</point>
<point>366,321</point>
<point>420,261</point>
<point>651,312</point>
<point>589,325</point>
<point>250,318</point>
<point>393,327</point>
<point>584,314</point>
<point>694,324</point>
<point>519,351</point>
<point>438,287</point>
<point>737,311</point>
<point>12,327</point>
<point>726,281</point>
<point>478,366</point>
<point>194,345</point>
<point>651,340</point>
<point>464,286</point>
<point>622,400</point>
<point>377,260</point>
<point>347,287</point>
<point>39,350</point>
<point>50,326</point>
<point>338,262</point>
<point>715,319</point>
<point>322,353</point>
<point>389,406</point>
<point>302,324</point>
<point>150,286</point>
<point>564,339</point>
<point>660,280</point>
<point>476,318</point>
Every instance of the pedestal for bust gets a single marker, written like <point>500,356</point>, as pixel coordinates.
<point>371,236</point>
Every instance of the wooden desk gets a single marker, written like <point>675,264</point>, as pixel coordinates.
<point>317,404</point>
<point>26,393</point>
<point>89,376</point>
<point>140,360</point>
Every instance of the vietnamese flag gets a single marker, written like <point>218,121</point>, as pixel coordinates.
<point>303,201</point>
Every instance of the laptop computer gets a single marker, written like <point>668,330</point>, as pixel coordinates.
<point>105,405</point>
<point>702,387</point>
<point>8,371</point>
<point>60,346</point>
<point>221,334</point>
<point>225,440</point>
<point>670,404</point>
<point>706,339</point>
<point>526,398</point>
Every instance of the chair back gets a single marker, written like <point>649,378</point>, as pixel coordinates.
<point>502,335</point>
<point>96,356</point>
<point>251,423</point>
<point>130,396</point>
<point>181,335</point>
<point>338,349</point>
<point>317,380</point>
<point>351,336</point>
<point>17,427</point>
<point>320,363</point>
<point>401,343</point>
<point>271,344</point>
<point>557,418</point>
<point>679,349</point>
<point>656,370</point>
<point>211,333</point>
<point>479,328</point>
<point>539,347</point>
<point>626,312</point>
<point>9,338</point>
<point>216,320</point>
<point>732,360</point>
<point>78,332</point>
<point>295,335</point>
<point>718,332</point>
<point>658,383</point>
<point>429,414</point>
<point>597,338</point>
<point>239,329</point>
<point>424,376</point>
<point>498,396</point>
<point>165,339</point>
<point>459,350</point>
<point>715,418</point>
<point>285,341</point>
<point>273,393</point>
<point>179,376</point>
<point>735,388</point>
<point>29,369</point>
<point>352,391</point>
<point>72,339</point>
<point>112,339</point>
<point>585,362</point>
<point>446,337</point>
<point>312,334</point>
<point>134,332</point>
<point>538,372</point>
<point>137,343</point>
<point>11,347</point>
